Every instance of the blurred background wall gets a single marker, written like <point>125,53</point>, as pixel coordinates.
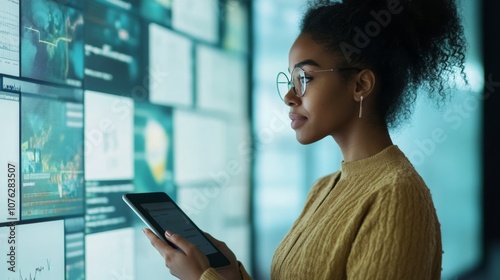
<point>457,167</point>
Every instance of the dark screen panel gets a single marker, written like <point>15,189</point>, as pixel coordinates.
<point>112,50</point>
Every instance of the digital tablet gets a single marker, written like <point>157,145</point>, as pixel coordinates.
<point>161,213</point>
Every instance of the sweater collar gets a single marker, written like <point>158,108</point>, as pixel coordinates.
<point>360,167</point>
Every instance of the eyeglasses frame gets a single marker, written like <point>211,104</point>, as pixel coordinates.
<point>290,82</point>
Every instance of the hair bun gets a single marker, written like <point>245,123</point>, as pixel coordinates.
<point>424,20</point>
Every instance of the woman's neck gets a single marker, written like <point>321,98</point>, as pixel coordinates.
<point>362,140</point>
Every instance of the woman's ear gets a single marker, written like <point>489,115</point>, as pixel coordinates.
<point>365,84</point>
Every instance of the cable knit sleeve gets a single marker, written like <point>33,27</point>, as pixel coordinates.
<point>211,274</point>
<point>399,237</point>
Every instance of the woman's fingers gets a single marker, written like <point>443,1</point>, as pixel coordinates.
<point>182,243</point>
<point>160,245</point>
<point>217,242</point>
<point>187,254</point>
<point>188,262</point>
<point>228,272</point>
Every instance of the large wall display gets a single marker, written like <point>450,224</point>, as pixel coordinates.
<point>99,98</point>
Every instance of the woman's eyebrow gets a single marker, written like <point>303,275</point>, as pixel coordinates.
<point>305,62</point>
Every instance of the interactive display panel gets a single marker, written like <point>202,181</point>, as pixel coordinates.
<point>74,240</point>
<point>52,42</point>
<point>159,11</point>
<point>104,207</point>
<point>154,146</point>
<point>124,4</point>
<point>33,255</point>
<point>9,30</point>
<point>51,152</point>
<point>109,137</point>
<point>198,18</point>
<point>171,72</point>
<point>189,127</point>
<point>9,156</point>
<point>112,50</point>
<point>223,90</point>
<point>235,30</point>
<point>110,254</point>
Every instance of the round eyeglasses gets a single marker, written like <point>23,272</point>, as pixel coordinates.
<point>299,80</point>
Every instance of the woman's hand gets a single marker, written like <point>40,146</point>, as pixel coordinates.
<point>190,263</point>
<point>231,271</point>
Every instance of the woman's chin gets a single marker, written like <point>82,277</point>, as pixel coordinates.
<point>305,139</point>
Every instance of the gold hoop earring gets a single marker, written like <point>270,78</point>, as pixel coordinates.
<point>361,107</point>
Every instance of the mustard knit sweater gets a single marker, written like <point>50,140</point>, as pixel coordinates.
<point>374,219</point>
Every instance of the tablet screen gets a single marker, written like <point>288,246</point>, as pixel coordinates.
<point>169,217</point>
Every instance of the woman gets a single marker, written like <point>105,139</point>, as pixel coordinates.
<point>355,69</point>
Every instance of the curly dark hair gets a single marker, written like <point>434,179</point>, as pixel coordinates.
<point>408,44</point>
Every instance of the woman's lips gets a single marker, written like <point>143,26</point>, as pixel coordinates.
<point>297,120</point>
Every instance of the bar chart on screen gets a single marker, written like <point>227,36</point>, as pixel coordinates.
<point>9,30</point>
